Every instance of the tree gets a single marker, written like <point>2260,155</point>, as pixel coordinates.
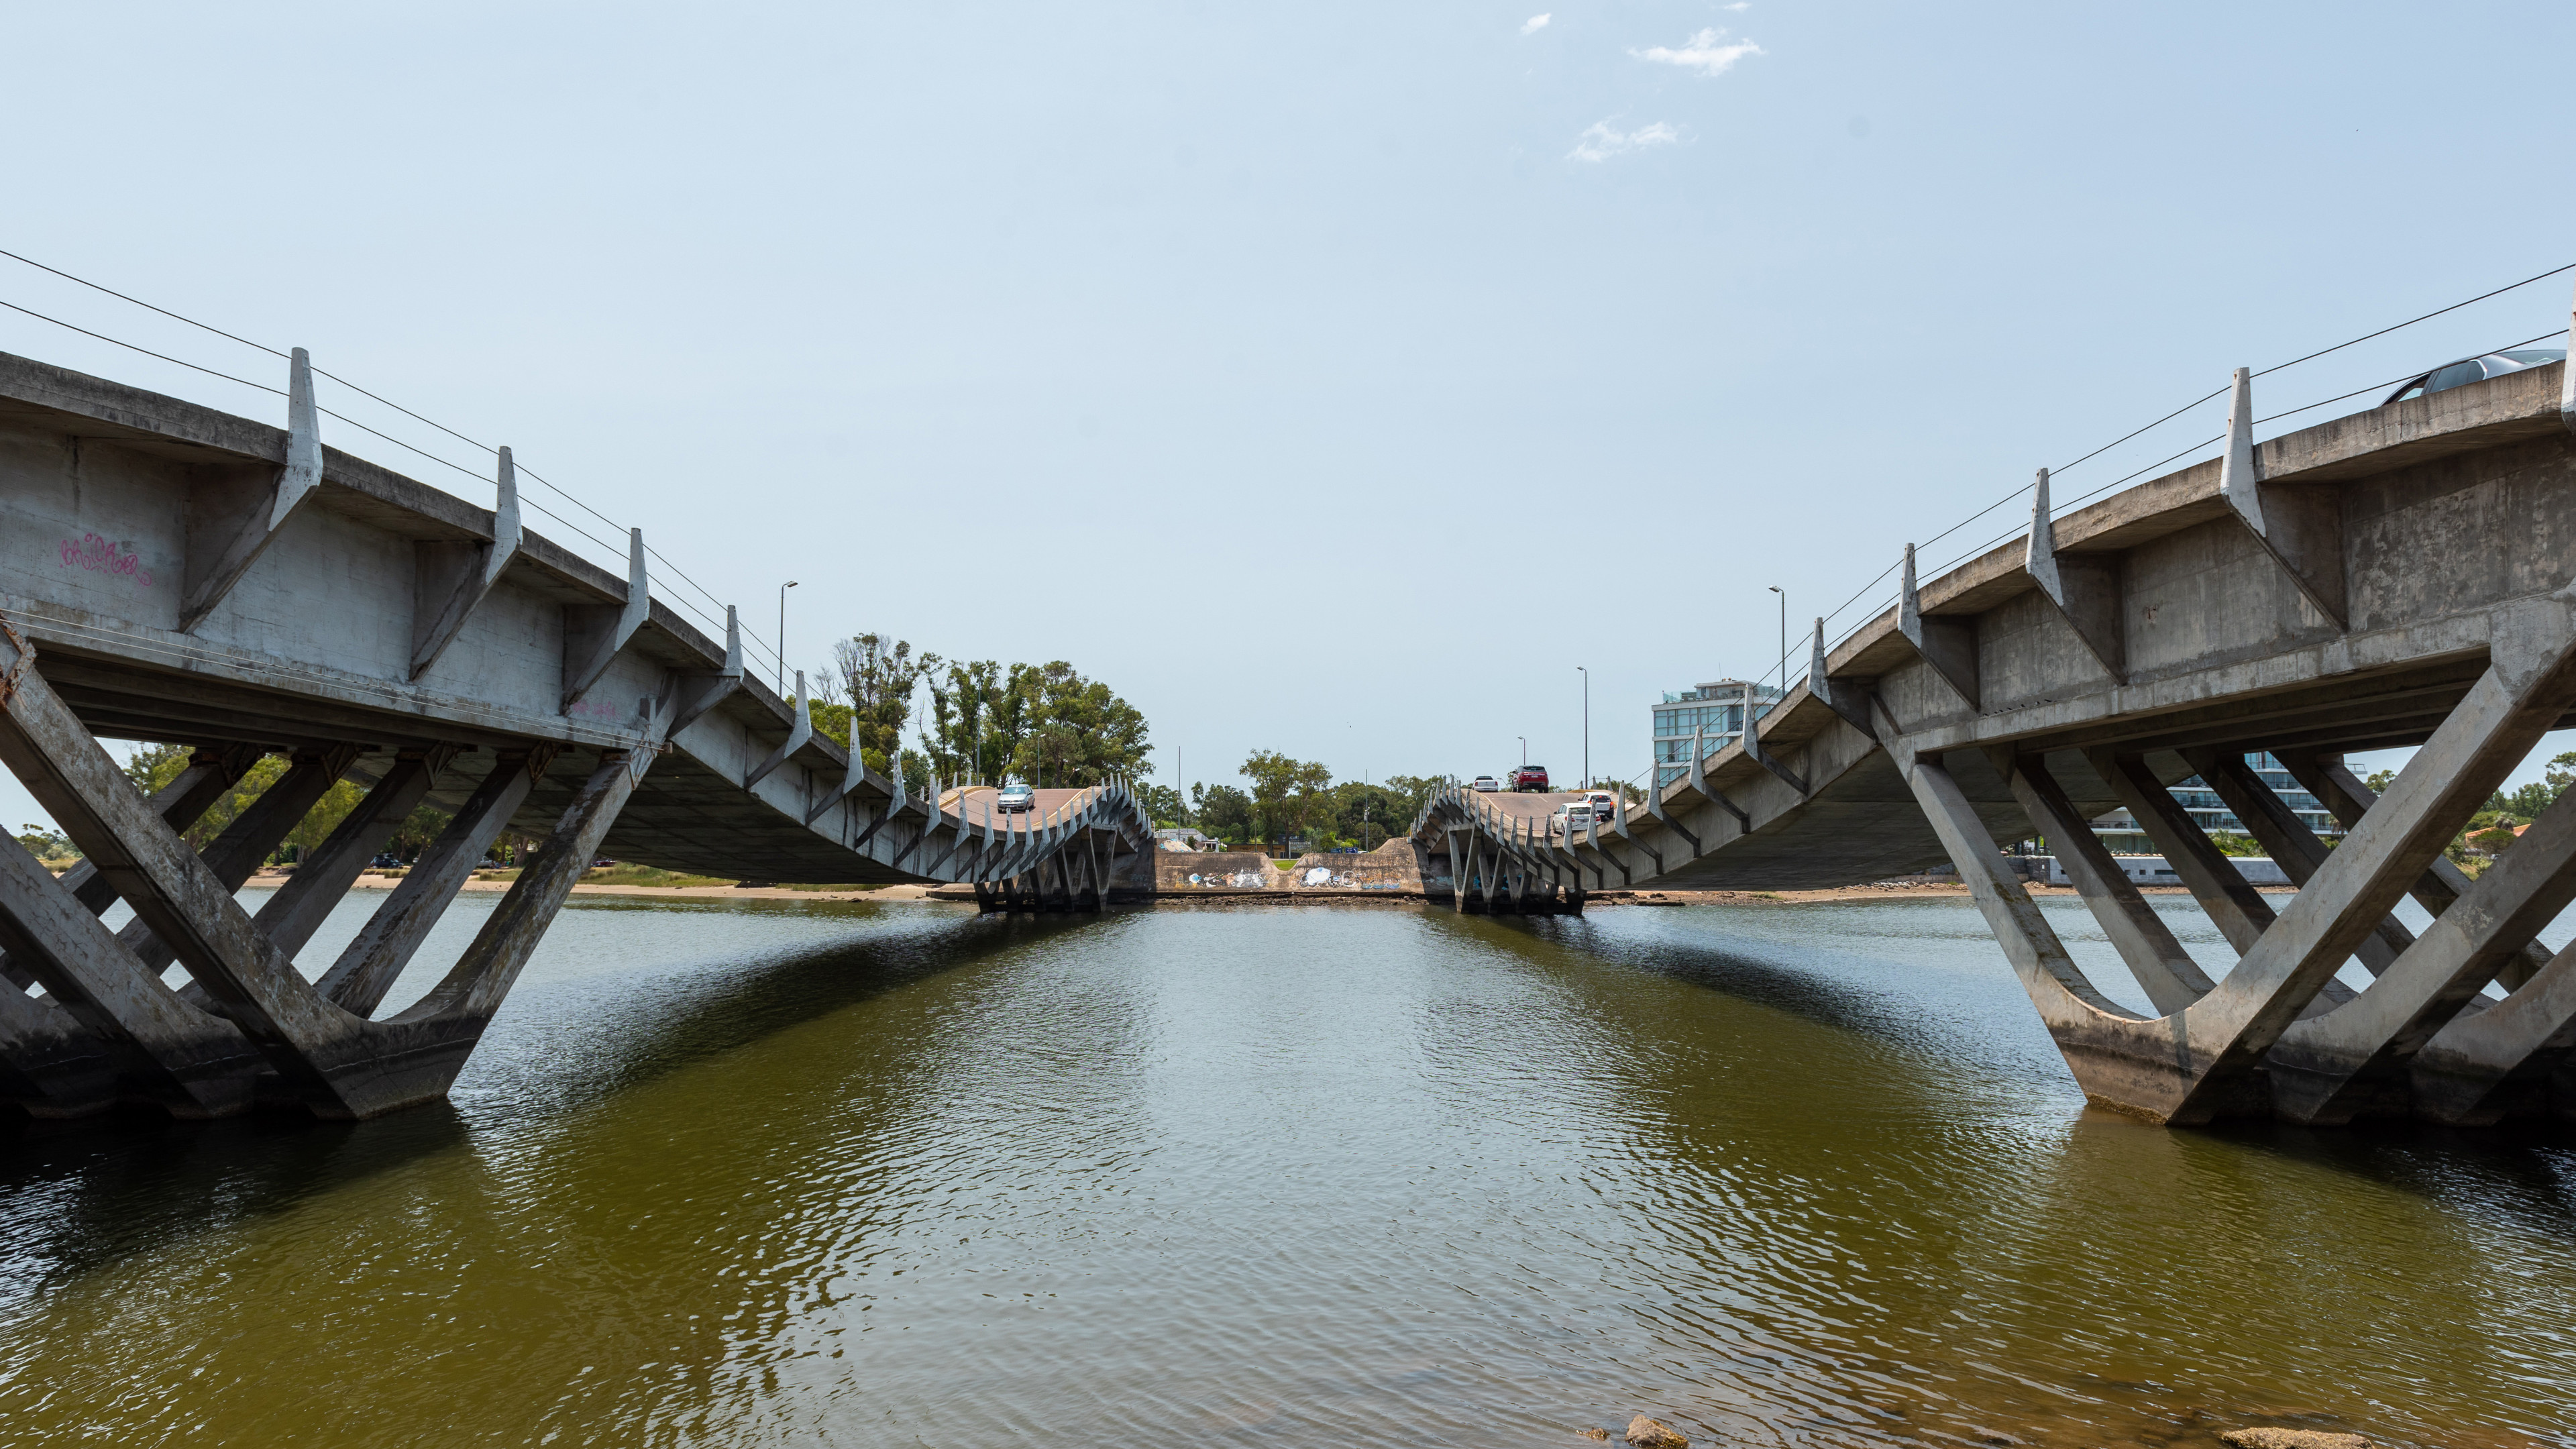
<point>1079,733</point>
<point>1368,814</point>
<point>878,676</point>
<point>1223,811</point>
<point>47,845</point>
<point>1163,805</point>
<point>1415,791</point>
<point>1286,794</point>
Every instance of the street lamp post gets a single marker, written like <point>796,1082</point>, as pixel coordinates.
<point>782,636</point>
<point>1587,725</point>
<point>1784,636</point>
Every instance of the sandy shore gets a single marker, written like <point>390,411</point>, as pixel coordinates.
<point>1841,895</point>
<point>371,881</point>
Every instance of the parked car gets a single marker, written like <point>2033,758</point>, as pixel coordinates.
<point>1571,819</point>
<point>2477,369</point>
<point>1015,797</point>
<point>1486,783</point>
<point>1530,777</point>
<point>1605,806</point>
<point>386,860</point>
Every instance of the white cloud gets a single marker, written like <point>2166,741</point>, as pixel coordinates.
<point>1599,143</point>
<point>1739,6</point>
<point>1535,23</point>
<point>1709,53</point>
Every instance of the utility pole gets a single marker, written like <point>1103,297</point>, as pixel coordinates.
<point>1784,636</point>
<point>782,636</point>
<point>1587,724</point>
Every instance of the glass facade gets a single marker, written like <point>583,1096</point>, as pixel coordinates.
<point>2122,835</point>
<point>1716,709</point>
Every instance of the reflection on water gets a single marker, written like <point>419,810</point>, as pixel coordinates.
<point>792,1174</point>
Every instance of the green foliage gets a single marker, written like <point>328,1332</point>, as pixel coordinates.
<point>1044,723</point>
<point>1164,805</point>
<point>1413,792</point>
<point>1359,809</point>
<point>49,846</point>
<point>877,677</point>
<point>2231,843</point>
<point>1288,796</point>
<point>1223,811</point>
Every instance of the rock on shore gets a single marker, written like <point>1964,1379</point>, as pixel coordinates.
<point>1648,1433</point>
<point>2292,1439</point>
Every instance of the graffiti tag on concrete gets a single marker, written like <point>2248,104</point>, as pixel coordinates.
<point>101,556</point>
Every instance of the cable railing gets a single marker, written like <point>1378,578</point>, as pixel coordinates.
<point>1792,673</point>
<point>695,599</point>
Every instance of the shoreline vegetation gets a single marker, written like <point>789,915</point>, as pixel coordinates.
<point>628,881</point>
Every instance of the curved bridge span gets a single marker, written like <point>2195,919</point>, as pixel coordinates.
<point>2398,577</point>
<point>176,574</point>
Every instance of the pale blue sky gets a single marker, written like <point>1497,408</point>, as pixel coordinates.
<point>1326,378</point>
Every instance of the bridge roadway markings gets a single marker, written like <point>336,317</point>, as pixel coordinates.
<point>2399,577</point>
<point>172,573</point>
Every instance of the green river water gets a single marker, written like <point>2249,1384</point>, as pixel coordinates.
<point>789,1174</point>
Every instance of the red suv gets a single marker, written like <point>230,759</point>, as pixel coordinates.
<point>1530,777</point>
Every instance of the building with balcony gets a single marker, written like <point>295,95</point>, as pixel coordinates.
<point>2119,830</point>
<point>1716,708</point>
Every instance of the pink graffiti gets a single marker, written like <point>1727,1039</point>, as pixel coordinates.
<point>100,556</point>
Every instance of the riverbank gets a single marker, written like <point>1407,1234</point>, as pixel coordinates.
<point>1875,891</point>
<point>372,881</point>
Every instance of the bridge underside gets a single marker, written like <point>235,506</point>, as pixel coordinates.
<point>175,575</point>
<point>2397,578</point>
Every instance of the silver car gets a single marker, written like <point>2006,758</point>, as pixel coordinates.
<point>1486,783</point>
<point>1015,798</point>
<point>2477,369</point>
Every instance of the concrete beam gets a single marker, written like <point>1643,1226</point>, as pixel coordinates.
<point>797,735</point>
<point>1948,645</point>
<point>369,965</point>
<point>2299,525</point>
<point>593,633</point>
<point>450,578</point>
<point>234,516</point>
<point>2164,970</point>
<point>2327,1070</point>
<point>2347,798</point>
<point>2085,588</point>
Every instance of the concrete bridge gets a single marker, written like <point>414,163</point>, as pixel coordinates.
<point>2397,577</point>
<point>175,574</point>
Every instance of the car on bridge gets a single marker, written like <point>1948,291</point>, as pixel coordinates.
<point>1571,819</point>
<point>1605,806</point>
<point>2477,369</point>
<point>1530,777</point>
<point>1015,797</point>
<point>1486,783</point>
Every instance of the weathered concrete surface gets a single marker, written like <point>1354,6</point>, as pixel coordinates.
<point>172,573</point>
<point>2390,578</point>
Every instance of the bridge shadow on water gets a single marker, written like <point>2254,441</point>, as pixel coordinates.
<point>76,1196</point>
<point>1957,1025</point>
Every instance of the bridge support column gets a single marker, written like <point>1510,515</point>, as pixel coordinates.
<point>2493,1059</point>
<point>2353,1060</point>
<point>337,1063</point>
<point>369,966</point>
<point>2189,1066</point>
<point>2164,970</point>
<point>51,1066</point>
